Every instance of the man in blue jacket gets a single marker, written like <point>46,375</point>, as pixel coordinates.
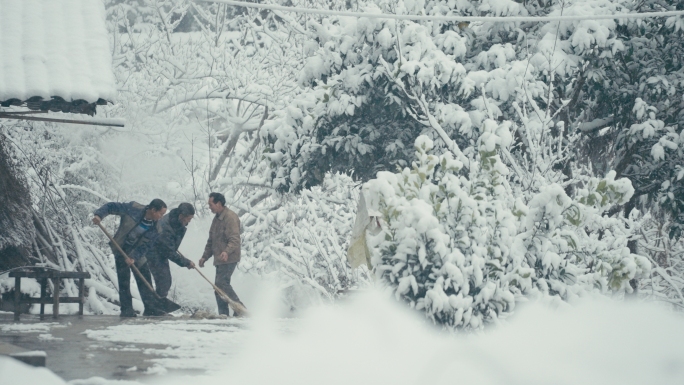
<point>173,227</point>
<point>138,230</point>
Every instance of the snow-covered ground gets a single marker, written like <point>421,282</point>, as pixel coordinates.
<point>190,344</point>
<point>371,340</point>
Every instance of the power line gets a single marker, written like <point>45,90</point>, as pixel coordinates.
<point>367,15</point>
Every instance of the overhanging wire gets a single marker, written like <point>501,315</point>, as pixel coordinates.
<point>491,19</point>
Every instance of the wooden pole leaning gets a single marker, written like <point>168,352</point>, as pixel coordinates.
<point>128,260</point>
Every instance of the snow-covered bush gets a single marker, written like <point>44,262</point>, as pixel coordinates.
<point>446,240</point>
<point>302,240</point>
<point>460,247</point>
<point>370,87</point>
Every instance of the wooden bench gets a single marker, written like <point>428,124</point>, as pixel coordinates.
<point>42,275</point>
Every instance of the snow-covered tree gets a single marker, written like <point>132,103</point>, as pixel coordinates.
<point>372,86</point>
<point>629,103</point>
<point>462,249</point>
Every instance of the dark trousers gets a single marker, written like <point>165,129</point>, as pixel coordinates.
<point>162,276</point>
<point>123,274</point>
<point>223,274</point>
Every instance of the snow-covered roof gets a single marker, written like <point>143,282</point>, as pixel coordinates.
<point>54,49</point>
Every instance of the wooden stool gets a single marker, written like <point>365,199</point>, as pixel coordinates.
<point>42,275</point>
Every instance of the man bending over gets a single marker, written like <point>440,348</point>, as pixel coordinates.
<point>138,230</point>
<point>173,225</point>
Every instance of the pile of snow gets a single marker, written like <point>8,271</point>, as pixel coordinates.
<point>13,372</point>
<point>371,339</point>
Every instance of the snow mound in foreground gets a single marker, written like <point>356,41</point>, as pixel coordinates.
<point>371,340</point>
<point>13,372</point>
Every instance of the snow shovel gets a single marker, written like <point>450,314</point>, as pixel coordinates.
<point>164,304</point>
<point>237,307</point>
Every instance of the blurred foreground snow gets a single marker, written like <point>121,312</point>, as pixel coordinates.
<point>369,339</point>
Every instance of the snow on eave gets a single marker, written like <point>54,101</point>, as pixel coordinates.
<point>55,50</point>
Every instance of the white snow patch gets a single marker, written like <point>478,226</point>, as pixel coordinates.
<point>15,372</point>
<point>205,344</point>
<point>102,381</point>
<point>28,328</point>
<point>32,353</point>
<point>156,369</point>
<point>49,337</point>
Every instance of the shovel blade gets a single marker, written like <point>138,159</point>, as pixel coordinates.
<point>166,305</point>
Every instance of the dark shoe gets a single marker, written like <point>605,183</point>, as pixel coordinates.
<point>128,314</point>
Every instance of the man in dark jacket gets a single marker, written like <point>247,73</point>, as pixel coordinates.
<point>173,226</point>
<point>224,245</point>
<point>138,230</point>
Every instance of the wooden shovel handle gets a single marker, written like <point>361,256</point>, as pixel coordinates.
<point>218,289</point>
<point>236,306</point>
<point>127,258</point>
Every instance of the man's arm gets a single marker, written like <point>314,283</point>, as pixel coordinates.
<point>166,247</point>
<point>233,235</point>
<point>111,208</point>
<point>179,259</point>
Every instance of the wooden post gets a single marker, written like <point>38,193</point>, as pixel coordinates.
<point>55,298</point>
<point>81,295</point>
<point>43,294</point>
<point>17,297</point>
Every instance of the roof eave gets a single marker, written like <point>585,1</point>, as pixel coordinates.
<point>57,104</point>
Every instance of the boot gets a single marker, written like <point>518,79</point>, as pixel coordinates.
<point>128,313</point>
